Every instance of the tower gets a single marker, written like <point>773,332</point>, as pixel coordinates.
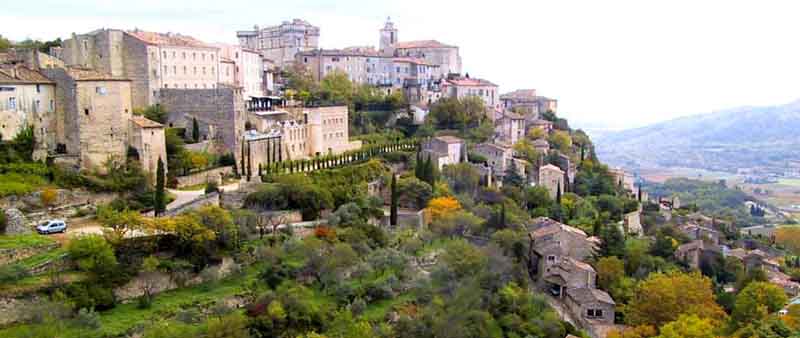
<point>388,37</point>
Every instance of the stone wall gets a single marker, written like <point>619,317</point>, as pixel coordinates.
<point>64,199</point>
<point>203,177</point>
<point>222,107</point>
<point>208,199</point>
<point>8,256</point>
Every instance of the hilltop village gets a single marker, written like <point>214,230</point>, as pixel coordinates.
<point>156,185</point>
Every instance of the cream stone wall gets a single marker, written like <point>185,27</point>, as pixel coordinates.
<point>150,143</point>
<point>248,69</point>
<point>280,43</point>
<point>329,130</point>
<point>24,105</point>
<point>183,67</point>
<point>552,178</point>
<point>103,108</point>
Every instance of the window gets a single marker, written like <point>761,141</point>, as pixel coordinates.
<point>212,70</point>
<point>52,105</point>
<point>184,70</point>
<point>195,70</point>
<point>155,73</point>
<point>203,56</point>
<point>204,70</point>
<point>165,54</point>
<point>194,56</point>
<point>86,111</point>
<point>594,313</point>
<point>165,70</point>
<point>38,88</point>
<point>175,70</point>
<point>551,258</point>
<point>166,85</point>
<point>184,55</point>
<point>12,103</point>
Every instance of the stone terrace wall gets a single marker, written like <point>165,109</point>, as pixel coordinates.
<point>208,199</point>
<point>203,177</point>
<point>218,106</point>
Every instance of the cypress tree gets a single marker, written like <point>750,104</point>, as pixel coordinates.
<point>195,130</point>
<point>428,171</point>
<point>159,199</point>
<point>244,172</point>
<point>249,170</point>
<point>393,211</point>
<point>639,194</point>
<point>558,194</point>
<point>502,215</point>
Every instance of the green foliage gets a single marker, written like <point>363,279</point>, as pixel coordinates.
<point>454,113</point>
<point>294,192</point>
<point>756,301</point>
<point>159,199</point>
<point>711,198</point>
<point>155,113</point>
<point>93,254</point>
<point>414,193</point>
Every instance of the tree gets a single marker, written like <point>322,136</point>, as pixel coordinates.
<point>149,279</point>
<point>561,140</point>
<point>462,177</point>
<point>233,325</point>
<point>512,176</point>
<point>48,196</point>
<point>93,254</point>
<point>462,258</point>
<point>442,206</point>
<point>664,297</point>
<point>160,194</point>
<point>4,43</point>
<point>689,326</point>
<point>336,88</point>
<point>121,224</point>
<point>414,193</point>
<point>613,241</point>
<point>789,237</point>
<point>195,130</point>
<point>610,270</point>
<point>393,211</point>
<point>756,301</point>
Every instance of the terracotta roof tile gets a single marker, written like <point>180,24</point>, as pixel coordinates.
<point>144,122</point>
<point>21,75</point>
<point>168,39</point>
<point>421,44</point>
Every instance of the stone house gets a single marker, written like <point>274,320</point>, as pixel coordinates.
<point>446,57</point>
<point>552,178</point>
<point>564,273</point>
<point>463,86</point>
<point>551,240</point>
<point>152,61</point>
<point>500,157</point>
<point>632,223</point>
<point>591,306</point>
<point>698,232</point>
<point>697,252</point>
<point>541,146</point>
<point>510,128</point>
<point>27,99</point>
<point>147,137</point>
<point>445,150</point>
<point>544,125</point>
<point>92,114</point>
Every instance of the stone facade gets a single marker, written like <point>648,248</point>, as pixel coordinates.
<point>280,43</point>
<point>147,137</point>
<point>27,99</point>
<point>552,178</point>
<point>222,108</point>
<point>92,110</point>
<point>527,102</point>
<point>462,87</point>
<point>591,306</point>
<point>445,150</point>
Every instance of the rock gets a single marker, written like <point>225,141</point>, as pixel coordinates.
<point>16,222</point>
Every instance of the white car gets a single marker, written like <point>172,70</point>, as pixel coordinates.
<point>51,226</point>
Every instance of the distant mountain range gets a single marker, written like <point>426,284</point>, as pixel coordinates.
<point>722,141</point>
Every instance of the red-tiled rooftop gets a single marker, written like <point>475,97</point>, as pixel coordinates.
<point>421,44</point>
<point>144,122</point>
<point>470,82</point>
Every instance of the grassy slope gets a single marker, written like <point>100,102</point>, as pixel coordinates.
<point>21,241</point>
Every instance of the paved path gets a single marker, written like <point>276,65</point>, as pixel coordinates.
<point>185,196</point>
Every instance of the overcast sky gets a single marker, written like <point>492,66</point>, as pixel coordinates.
<point>615,62</point>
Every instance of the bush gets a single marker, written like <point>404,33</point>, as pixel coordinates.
<point>91,296</point>
<point>87,318</point>
<point>211,187</point>
<point>3,221</point>
<point>11,273</point>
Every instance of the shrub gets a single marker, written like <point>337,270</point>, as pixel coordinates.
<point>93,254</point>
<point>88,318</point>
<point>11,273</point>
<point>211,187</point>
<point>3,221</point>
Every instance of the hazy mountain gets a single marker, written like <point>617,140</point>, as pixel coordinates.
<point>725,140</point>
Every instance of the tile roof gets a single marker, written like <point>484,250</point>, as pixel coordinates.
<point>168,39</point>
<point>526,94</point>
<point>548,226</point>
<point>449,139</point>
<point>144,122</point>
<point>421,44</point>
<point>18,74</point>
<point>415,61</point>
<point>586,295</point>
<point>469,82</point>
<point>551,167</point>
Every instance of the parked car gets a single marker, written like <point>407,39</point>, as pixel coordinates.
<point>51,226</point>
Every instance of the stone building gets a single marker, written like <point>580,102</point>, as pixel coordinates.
<point>280,43</point>
<point>445,57</point>
<point>500,157</point>
<point>313,131</point>
<point>698,232</point>
<point>463,86</point>
<point>221,108</point>
<point>445,150</point>
<point>248,69</point>
<point>527,102</point>
<point>152,61</point>
<point>27,99</point>
<point>92,114</point>
<point>354,62</point>
<point>552,178</point>
<point>510,128</point>
<point>147,138</point>
<point>551,239</point>
<point>260,149</point>
<point>592,306</point>
<point>541,145</point>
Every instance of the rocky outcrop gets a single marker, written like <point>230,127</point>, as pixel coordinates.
<point>16,223</point>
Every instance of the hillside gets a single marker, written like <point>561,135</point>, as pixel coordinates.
<point>725,141</point>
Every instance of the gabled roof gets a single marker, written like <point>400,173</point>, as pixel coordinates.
<point>144,122</point>
<point>469,82</point>
<point>586,295</point>
<point>547,226</point>
<point>421,44</point>
<point>18,74</point>
<point>551,167</point>
<point>520,94</point>
<point>449,139</point>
